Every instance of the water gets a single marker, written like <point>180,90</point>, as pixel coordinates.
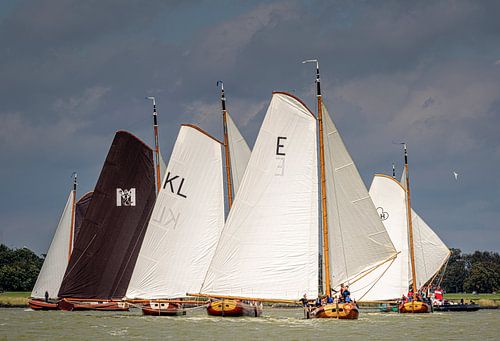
<point>275,324</point>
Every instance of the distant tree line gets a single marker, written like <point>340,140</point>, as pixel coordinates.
<point>478,271</point>
<point>19,268</point>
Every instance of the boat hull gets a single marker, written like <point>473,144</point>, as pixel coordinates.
<point>163,309</point>
<point>415,307</point>
<point>233,308</point>
<point>69,305</point>
<point>42,305</point>
<point>457,307</point>
<point>343,311</point>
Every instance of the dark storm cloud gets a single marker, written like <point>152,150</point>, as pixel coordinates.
<point>73,72</point>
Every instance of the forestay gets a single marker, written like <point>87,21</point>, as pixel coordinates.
<point>239,152</point>
<point>53,268</point>
<point>357,238</point>
<point>186,221</point>
<point>269,246</point>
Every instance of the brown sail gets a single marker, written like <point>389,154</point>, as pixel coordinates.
<point>114,225</point>
<point>80,209</point>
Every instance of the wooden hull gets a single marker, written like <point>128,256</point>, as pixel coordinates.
<point>233,308</point>
<point>41,305</point>
<point>163,309</point>
<point>415,307</point>
<point>69,305</point>
<point>343,311</point>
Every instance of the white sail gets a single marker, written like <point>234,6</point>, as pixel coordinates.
<point>430,251</point>
<point>239,153</point>
<point>55,263</point>
<point>186,222</point>
<point>358,240</point>
<point>391,280</point>
<point>269,246</point>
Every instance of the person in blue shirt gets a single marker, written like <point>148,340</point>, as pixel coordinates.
<point>345,293</point>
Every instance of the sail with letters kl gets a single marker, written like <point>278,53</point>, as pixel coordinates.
<point>268,249</point>
<point>185,225</point>
<point>44,294</point>
<point>112,231</point>
<point>354,240</point>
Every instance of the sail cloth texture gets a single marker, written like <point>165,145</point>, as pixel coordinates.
<point>53,268</point>
<point>430,251</point>
<point>269,246</point>
<point>80,209</point>
<point>186,221</point>
<point>239,153</point>
<point>358,240</point>
<point>111,235</point>
<point>391,280</point>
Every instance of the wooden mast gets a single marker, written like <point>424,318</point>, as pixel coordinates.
<point>72,227</point>
<point>226,146</point>
<point>410,225</point>
<point>326,255</point>
<point>157,146</point>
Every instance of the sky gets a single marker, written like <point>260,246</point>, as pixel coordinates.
<point>425,72</point>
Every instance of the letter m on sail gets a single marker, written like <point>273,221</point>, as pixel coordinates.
<point>125,197</point>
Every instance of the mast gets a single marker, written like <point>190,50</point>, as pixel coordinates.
<point>226,146</point>
<point>326,255</point>
<point>73,205</point>
<point>157,146</point>
<point>410,226</point>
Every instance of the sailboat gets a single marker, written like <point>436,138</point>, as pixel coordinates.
<point>416,305</point>
<point>268,250</point>
<point>112,230</point>
<point>237,154</point>
<point>185,225</point>
<point>391,282</point>
<point>44,294</point>
<point>355,241</point>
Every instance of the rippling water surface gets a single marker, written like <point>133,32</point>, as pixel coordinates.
<point>277,324</point>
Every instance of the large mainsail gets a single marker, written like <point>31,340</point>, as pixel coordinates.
<point>113,228</point>
<point>52,272</point>
<point>357,238</point>
<point>186,221</point>
<point>269,246</point>
<point>391,280</point>
<point>239,151</point>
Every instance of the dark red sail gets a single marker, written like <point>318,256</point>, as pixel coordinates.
<point>113,228</point>
<point>80,209</point>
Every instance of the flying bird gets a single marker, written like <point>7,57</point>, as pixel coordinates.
<point>455,174</point>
